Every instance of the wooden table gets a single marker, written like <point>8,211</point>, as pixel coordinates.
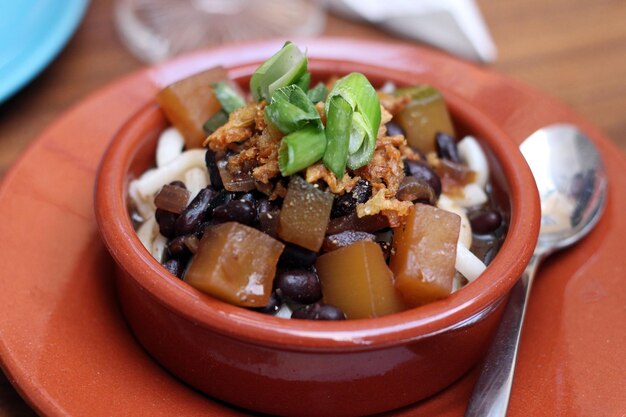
<point>574,50</point>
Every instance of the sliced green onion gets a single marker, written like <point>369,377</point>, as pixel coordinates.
<point>357,91</point>
<point>362,144</point>
<point>338,128</point>
<point>304,81</point>
<point>291,109</point>
<point>228,97</point>
<point>301,149</point>
<point>218,119</point>
<point>318,93</point>
<point>284,68</point>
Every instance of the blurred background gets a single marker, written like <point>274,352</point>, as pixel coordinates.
<point>573,50</point>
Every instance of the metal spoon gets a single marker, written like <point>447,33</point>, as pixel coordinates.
<point>572,185</point>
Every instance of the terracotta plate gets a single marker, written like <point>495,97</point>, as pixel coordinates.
<point>66,348</point>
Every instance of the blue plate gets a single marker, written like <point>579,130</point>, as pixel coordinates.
<point>32,33</point>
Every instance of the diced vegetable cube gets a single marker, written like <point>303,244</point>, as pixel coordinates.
<point>357,280</point>
<point>426,115</point>
<point>304,214</point>
<point>235,263</point>
<point>172,198</point>
<point>424,254</point>
<point>190,102</point>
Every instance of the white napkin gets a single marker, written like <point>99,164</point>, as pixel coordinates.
<point>453,25</point>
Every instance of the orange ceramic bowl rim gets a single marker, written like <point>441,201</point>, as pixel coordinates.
<point>459,309</point>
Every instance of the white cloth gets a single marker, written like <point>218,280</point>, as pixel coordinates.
<point>456,26</point>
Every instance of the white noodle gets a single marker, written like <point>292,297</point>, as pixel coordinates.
<point>458,281</point>
<point>196,179</point>
<point>152,180</point>
<point>170,145</point>
<point>147,232</point>
<point>159,246</point>
<point>284,312</point>
<point>468,264</point>
<point>473,195</point>
<point>473,156</point>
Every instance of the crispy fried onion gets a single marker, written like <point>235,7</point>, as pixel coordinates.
<point>256,145</point>
<point>318,172</point>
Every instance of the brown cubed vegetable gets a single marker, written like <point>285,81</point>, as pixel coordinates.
<point>426,115</point>
<point>235,181</point>
<point>357,280</point>
<point>304,215</point>
<point>188,103</point>
<point>235,263</point>
<point>424,254</point>
<point>172,198</point>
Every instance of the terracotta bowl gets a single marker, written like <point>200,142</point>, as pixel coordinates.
<point>296,367</point>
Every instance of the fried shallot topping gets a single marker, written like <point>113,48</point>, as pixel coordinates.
<point>239,128</point>
<point>386,170</point>
<point>393,104</point>
<point>256,145</point>
<point>319,171</point>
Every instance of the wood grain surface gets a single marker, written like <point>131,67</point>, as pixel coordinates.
<point>573,50</point>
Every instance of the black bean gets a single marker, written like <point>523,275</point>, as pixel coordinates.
<point>416,190</point>
<point>370,224</point>
<point>346,203</point>
<point>214,174</point>
<point>249,197</point>
<point>221,198</point>
<point>385,241</point>
<point>174,267</point>
<point>236,211</point>
<point>343,239</point>
<point>192,242</point>
<point>484,221</point>
<point>296,256</point>
<point>267,217</point>
<point>446,147</point>
<point>177,248</point>
<point>263,206</point>
<point>394,129</point>
<point>318,311</point>
<point>298,286</point>
<point>190,220</point>
<point>422,171</point>
<point>166,221</point>
<point>486,247</point>
<point>272,306</point>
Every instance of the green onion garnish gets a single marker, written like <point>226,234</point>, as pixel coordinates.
<point>363,100</point>
<point>318,93</point>
<point>218,119</point>
<point>284,68</point>
<point>290,109</point>
<point>301,149</point>
<point>304,81</point>
<point>228,97</point>
<point>338,122</point>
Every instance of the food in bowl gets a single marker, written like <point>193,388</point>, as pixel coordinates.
<point>352,367</point>
<point>331,202</point>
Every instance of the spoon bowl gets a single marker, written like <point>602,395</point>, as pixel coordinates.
<point>571,181</point>
<point>572,184</point>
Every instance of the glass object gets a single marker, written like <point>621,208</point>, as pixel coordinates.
<point>155,30</point>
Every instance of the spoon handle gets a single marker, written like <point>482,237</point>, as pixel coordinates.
<point>490,397</point>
